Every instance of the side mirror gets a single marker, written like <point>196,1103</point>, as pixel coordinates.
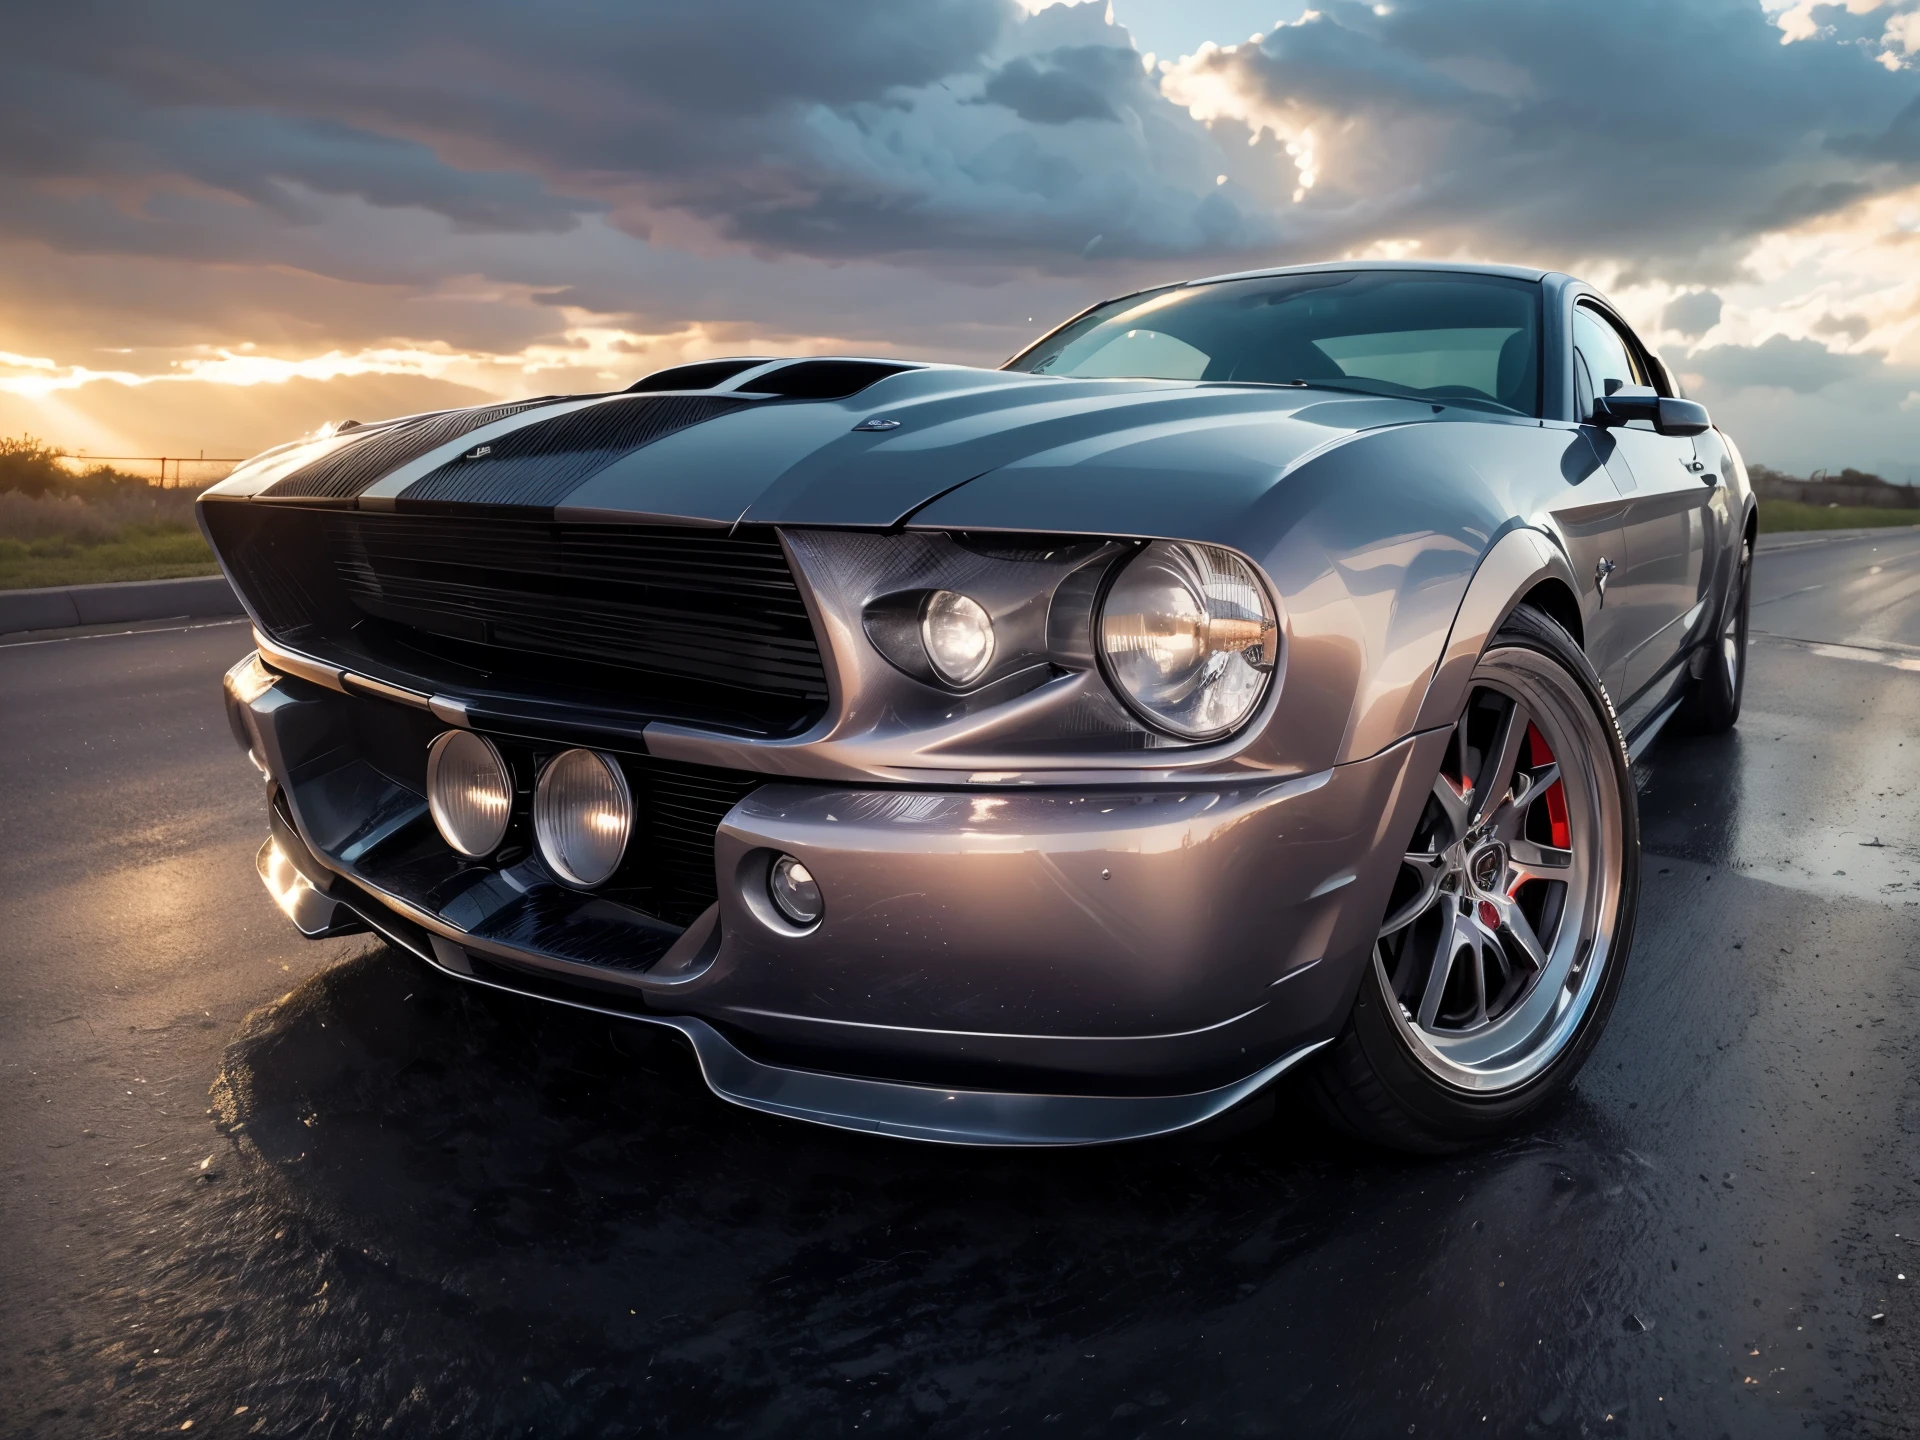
<point>1640,402</point>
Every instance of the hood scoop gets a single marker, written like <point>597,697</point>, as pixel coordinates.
<point>701,375</point>
<point>815,379</point>
<point>822,379</point>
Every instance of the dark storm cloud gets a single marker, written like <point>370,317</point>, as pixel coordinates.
<point>834,128</point>
<point>59,127</point>
<point>1075,82</point>
<point>1693,314</point>
<point>498,115</point>
<point>1899,142</point>
<point>1803,366</point>
<point>1663,131</point>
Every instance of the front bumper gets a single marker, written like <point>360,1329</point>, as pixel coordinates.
<point>996,966</point>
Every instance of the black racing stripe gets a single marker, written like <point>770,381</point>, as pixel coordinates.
<point>542,463</point>
<point>355,465</point>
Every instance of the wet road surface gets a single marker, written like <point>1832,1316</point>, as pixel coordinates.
<point>268,1187</point>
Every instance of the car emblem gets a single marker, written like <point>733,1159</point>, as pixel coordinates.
<point>1488,864</point>
<point>876,423</point>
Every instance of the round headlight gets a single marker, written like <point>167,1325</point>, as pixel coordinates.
<point>469,792</point>
<point>958,635</point>
<point>582,816</point>
<point>1189,638</point>
<point>794,891</point>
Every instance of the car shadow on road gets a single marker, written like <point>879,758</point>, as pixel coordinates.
<point>566,1186</point>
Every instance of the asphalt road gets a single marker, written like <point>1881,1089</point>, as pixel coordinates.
<point>251,1185</point>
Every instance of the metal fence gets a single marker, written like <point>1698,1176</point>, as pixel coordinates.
<point>193,472</point>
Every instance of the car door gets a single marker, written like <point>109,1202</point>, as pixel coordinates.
<point>1655,589</point>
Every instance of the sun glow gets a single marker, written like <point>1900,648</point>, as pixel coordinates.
<point>587,354</point>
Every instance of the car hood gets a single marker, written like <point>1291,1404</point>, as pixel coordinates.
<point>931,445</point>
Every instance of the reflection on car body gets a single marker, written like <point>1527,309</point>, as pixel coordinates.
<point>1242,678</point>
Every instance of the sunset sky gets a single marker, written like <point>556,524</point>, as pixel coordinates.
<point>224,224</point>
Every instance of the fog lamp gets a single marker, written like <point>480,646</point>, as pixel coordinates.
<point>582,816</point>
<point>958,635</point>
<point>469,791</point>
<point>794,891</point>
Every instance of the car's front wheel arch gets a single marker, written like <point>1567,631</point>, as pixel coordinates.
<point>1487,991</point>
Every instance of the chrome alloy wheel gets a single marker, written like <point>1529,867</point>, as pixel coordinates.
<point>1733,628</point>
<point>1504,912</point>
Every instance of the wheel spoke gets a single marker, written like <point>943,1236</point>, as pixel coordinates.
<point>1430,871</point>
<point>1516,924</point>
<point>1539,781</point>
<point>1477,957</point>
<point>1495,781</point>
<point>1531,856</point>
<point>1440,971</point>
<point>1452,804</point>
<point>1510,818</point>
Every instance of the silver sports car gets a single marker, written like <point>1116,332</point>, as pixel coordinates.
<point>1242,678</point>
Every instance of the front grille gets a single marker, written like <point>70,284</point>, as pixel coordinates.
<point>686,804</point>
<point>703,626</point>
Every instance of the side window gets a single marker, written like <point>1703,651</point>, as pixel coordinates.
<point>1602,357</point>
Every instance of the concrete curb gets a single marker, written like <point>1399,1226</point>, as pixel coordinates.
<point>116,603</point>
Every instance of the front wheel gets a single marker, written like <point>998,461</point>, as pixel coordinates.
<point>1508,930</point>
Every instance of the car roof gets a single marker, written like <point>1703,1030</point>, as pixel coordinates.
<point>1512,272</point>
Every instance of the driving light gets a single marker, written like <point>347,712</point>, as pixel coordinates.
<point>958,635</point>
<point>794,891</point>
<point>582,816</point>
<point>469,792</point>
<point>1189,638</point>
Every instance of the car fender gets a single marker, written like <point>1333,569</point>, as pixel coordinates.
<point>1517,562</point>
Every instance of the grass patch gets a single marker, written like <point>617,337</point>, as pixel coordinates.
<point>58,528</point>
<point>137,552</point>
<point>1778,515</point>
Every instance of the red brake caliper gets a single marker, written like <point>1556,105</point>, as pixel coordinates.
<point>1537,755</point>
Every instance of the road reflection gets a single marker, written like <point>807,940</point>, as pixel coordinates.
<point>569,1189</point>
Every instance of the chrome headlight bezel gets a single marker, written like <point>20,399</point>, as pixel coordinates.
<point>1215,604</point>
<point>474,833</point>
<point>598,799</point>
<point>1045,700</point>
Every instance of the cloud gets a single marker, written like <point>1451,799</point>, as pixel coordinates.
<point>1075,82</point>
<point>1693,314</point>
<point>505,197</point>
<point>1646,133</point>
<point>1899,142</point>
<point>954,129</point>
<point>1854,327</point>
<point>1803,366</point>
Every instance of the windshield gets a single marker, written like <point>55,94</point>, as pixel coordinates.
<point>1430,335</point>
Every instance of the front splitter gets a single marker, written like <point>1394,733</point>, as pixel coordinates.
<point>927,1113</point>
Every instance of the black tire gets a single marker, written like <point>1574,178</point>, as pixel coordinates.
<point>1379,1081</point>
<point>1712,703</point>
